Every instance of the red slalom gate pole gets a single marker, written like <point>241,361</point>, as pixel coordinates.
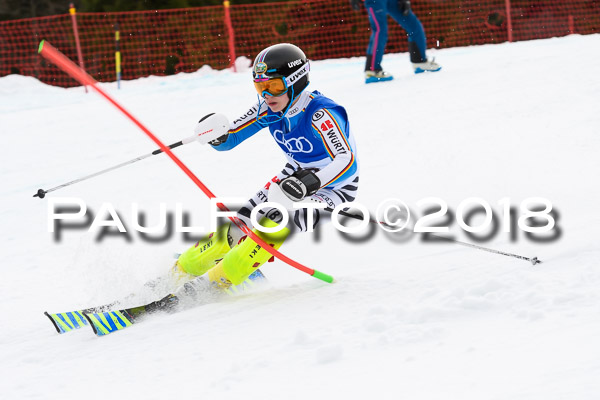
<point>51,54</point>
<point>508,20</point>
<point>231,36</point>
<point>76,33</point>
<point>571,24</point>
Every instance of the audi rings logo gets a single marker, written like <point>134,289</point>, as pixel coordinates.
<point>293,145</point>
<point>318,115</point>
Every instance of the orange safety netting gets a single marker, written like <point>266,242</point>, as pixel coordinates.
<point>169,41</point>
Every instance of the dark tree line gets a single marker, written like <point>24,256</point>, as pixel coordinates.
<point>17,9</point>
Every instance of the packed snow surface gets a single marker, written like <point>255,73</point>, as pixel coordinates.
<point>404,319</point>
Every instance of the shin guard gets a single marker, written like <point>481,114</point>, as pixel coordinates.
<point>245,258</point>
<point>206,253</point>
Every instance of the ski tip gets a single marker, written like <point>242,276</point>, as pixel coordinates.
<point>104,323</point>
<point>89,320</point>
<point>53,322</point>
<point>66,321</point>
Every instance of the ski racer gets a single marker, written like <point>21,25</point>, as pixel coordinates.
<point>313,132</point>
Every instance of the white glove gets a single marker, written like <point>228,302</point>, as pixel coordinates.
<point>212,128</point>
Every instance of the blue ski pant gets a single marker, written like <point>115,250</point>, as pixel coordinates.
<point>378,11</point>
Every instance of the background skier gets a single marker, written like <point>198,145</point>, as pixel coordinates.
<point>401,12</point>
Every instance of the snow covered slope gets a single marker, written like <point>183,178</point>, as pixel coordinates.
<point>406,319</point>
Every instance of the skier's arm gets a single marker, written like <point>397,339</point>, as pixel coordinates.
<point>333,129</point>
<point>240,129</point>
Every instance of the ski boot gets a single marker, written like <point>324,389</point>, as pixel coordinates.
<point>377,76</point>
<point>201,290</point>
<point>427,66</point>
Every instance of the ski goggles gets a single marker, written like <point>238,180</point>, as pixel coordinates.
<point>274,87</point>
<point>279,86</point>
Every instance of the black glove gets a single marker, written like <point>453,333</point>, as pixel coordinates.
<point>404,7</point>
<point>300,184</point>
<point>355,5</point>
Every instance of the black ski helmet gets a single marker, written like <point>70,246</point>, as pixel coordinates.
<point>282,61</point>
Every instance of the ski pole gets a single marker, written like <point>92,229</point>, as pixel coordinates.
<point>533,260</point>
<point>41,193</point>
<point>50,53</point>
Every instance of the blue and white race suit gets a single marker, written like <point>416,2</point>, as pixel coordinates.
<point>314,134</point>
